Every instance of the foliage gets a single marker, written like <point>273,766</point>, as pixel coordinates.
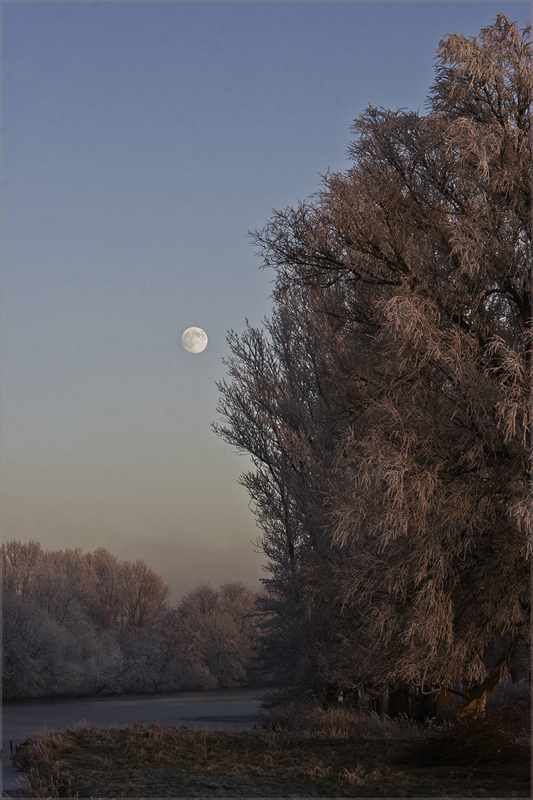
<point>84,624</point>
<point>387,406</point>
<point>217,633</point>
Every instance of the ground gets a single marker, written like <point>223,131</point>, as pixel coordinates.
<point>367,757</point>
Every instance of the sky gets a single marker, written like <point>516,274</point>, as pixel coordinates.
<point>141,143</point>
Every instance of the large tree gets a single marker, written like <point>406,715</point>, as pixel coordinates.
<point>408,278</point>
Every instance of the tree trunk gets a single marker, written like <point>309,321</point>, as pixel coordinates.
<point>476,698</point>
<point>443,702</point>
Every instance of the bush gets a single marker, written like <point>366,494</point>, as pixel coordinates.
<point>342,723</point>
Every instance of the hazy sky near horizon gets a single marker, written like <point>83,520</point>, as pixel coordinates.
<point>141,142</point>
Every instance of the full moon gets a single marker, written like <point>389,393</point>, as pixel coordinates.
<point>194,340</point>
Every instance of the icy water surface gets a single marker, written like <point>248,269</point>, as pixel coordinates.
<point>233,708</point>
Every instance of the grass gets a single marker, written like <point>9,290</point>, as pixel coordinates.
<point>313,754</point>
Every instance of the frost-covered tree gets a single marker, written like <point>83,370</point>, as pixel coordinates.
<point>76,623</point>
<point>20,561</point>
<point>419,258</point>
<point>277,409</point>
<point>217,633</point>
<point>143,593</point>
<point>105,595</point>
<point>31,649</point>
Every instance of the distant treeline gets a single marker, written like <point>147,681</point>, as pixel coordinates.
<point>79,623</point>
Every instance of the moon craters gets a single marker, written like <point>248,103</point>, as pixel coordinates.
<point>194,340</point>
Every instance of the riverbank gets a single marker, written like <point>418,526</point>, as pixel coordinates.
<point>376,758</point>
<point>215,709</point>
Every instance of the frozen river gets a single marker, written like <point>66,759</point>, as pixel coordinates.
<point>234,708</point>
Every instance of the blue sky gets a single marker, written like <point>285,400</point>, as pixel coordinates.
<point>141,142</point>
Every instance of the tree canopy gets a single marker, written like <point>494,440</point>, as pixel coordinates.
<point>386,405</point>
<point>79,623</point>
